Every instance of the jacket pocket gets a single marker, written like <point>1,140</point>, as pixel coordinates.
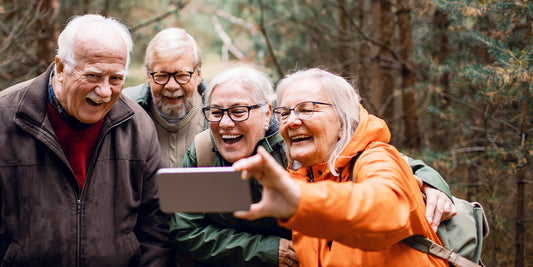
<point>134,245</point>
<point>10,256</point>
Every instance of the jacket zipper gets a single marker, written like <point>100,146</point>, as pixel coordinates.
<point>310,174</point>
<point>87,180</point>
<point>78,232</point>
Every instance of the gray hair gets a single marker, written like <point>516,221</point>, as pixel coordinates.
<point>257,82</point>
<point>66,40</point>
<point>168,45</point>
<point>343,96</point>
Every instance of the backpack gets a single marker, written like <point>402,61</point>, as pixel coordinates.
<point>462,235</point>
<point>205,153</point>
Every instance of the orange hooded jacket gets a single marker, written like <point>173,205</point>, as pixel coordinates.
<point>362,223</point>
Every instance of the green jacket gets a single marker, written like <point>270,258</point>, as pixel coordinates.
<point>222,240</point>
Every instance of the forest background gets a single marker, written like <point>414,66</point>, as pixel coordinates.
<point>453,79</point>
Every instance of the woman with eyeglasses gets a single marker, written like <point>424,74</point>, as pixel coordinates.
<point>239,108</point>
<point>349,196</point>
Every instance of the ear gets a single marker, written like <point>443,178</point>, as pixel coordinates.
<point>60,69</point>
<point>269,114</point>
<point>199,70</point>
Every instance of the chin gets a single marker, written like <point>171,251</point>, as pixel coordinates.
<point>232,157</point>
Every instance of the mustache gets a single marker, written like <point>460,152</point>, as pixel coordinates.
<point>97,99</point>
<point>173,94</point>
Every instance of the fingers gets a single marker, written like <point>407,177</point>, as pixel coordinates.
<point>431,204</point>
<point>286,254</point>
<point>441,207</point>
<point>449,210</point>
<point>252,214</point>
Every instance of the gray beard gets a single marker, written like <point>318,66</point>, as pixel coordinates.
<point>173,111</point>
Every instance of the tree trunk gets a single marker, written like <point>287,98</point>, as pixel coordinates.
<point>385,64</point>
<point>47,27</point>
<point>441,99</point>
<point>381,79</point>
<point>412,132</point>
<point>523,162</point>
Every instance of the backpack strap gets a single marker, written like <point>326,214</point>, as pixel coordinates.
<point>352,164</point>
<point>428,246</point>
<point>205,150</point>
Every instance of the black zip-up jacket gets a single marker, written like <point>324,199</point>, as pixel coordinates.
<point>45,220</point>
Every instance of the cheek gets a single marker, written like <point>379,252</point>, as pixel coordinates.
<point>156,89</point>
<point>189,89</point>
<point>283,130</point>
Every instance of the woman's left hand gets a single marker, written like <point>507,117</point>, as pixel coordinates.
<point>439,207</point>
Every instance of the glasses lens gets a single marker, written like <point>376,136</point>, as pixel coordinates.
<point>282,113</point>
<point>161,77</point>
<point>305,110</point>
<point>213,114</point>
<point>182,77</point>
<point>239,113</point>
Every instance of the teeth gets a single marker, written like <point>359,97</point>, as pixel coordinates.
<point>229,136</point>
<point>299,136</point>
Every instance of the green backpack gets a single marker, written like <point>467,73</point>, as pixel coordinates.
<point>462,235</point>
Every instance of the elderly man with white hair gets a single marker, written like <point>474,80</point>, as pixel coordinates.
<point>78,161</point>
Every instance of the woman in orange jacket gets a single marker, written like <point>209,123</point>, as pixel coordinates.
<point>338,218</point>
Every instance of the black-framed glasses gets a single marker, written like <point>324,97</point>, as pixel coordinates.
<point>162,77</point>
<point>303,111</point>
<point>235,113</point>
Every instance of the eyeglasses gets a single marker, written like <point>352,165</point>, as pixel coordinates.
<point>182,77</point>
<point>235,113</point>
<point>303,111</point>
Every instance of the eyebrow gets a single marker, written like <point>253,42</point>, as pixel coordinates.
<point>96,70</point>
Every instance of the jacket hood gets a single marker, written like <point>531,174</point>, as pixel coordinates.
<point>370,129</point>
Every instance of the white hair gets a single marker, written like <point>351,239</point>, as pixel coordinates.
<point>257,82</point>
<point>169,44</point>
<point>66,40</point>
<point>343,96</point>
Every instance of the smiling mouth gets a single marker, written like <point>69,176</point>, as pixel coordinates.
<point>300,138</point>
<point>92,102</point>
<point>173,98</point>
<point>231,139</point>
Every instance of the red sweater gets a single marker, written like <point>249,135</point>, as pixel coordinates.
<point>78,146</point>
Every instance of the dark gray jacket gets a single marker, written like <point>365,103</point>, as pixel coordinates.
<point>44,218</point>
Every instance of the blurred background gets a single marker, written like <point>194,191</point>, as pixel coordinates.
<point>453,79</point>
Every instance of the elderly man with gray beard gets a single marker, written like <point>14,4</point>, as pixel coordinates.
<point>171,93</point>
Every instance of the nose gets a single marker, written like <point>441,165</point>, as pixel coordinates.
<point>172,84</point>
<point>293,119</point>
<point>104,89</point>
<point>226,121</point>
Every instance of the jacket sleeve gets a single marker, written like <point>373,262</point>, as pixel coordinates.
<point>152,224</point>
<point>205,241</point>
<point>381,208</point>
<point>428,175</point>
